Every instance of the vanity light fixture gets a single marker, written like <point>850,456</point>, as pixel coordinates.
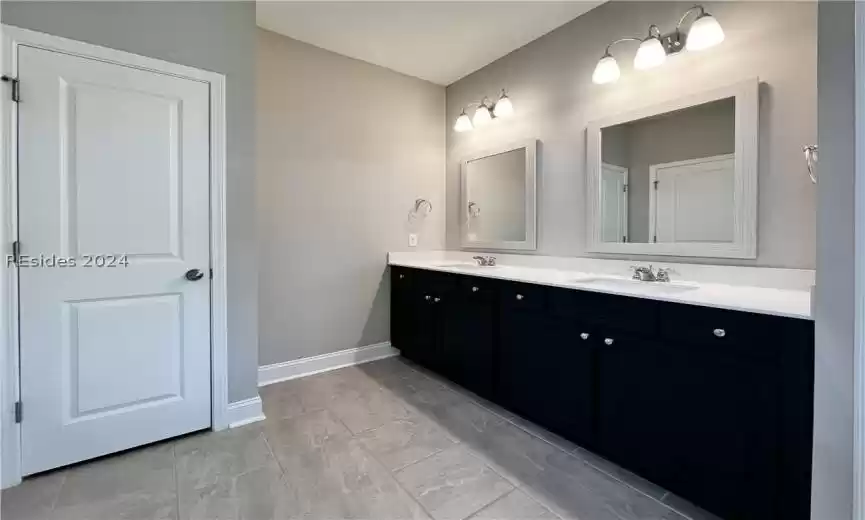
<point>482,115</point>
<point>463,123</point>
<point>485,112</point>
<point>704,32</point>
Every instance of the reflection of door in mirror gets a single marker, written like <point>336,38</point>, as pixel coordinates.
<point>692,201</point>
<point>614,203</point>
<point>496,209</point>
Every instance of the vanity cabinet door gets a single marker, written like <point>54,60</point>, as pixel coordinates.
<point>726,439</point>
<point>546,372</point>
<point>401,315</point>
<point>468,335</point>
<point>635,393</point>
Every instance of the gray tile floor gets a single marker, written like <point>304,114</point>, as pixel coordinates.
<point>384,440</point>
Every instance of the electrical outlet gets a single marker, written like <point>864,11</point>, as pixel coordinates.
<point>412,239</point>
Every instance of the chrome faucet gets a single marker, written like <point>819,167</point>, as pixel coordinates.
<point>647,274</point>
<point>485,261</point>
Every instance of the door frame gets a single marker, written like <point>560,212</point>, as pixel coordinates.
<point>653,193</point>
<point>11,38</point>
<point>626,195</point>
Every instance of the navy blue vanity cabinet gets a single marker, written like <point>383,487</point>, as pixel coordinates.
<point>469,334</point>
<point>714,405</point>
<point>743,389</point>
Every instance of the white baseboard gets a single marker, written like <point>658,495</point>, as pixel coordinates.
<point>245,412</point>
<point>279,372</point>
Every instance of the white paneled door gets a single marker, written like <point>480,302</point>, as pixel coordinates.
<point>614,203</point>
<point>113,176</point>
<point>693,200</point>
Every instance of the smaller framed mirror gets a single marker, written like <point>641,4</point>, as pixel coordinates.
<point>499,199</point>
<point>678,178</point>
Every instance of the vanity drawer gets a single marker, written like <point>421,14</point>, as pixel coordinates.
<point>635,315</point>
<point>401,276</point>
<point>482,290</point>
<point>523,296</point>
<point>754,335</point>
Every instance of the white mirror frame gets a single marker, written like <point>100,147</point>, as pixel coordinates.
<point>531,242</point>
<point>747,128</point>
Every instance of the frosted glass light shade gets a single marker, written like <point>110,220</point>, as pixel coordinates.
<point>705,32</point>
<point>463,123</point>
<point>606,71</point>
<point>482,116</point>
<point>504,107</point>
<point>650,54</point>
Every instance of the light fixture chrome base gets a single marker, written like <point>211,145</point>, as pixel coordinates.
<point>673,42</point>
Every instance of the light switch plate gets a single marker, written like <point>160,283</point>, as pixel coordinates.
<point>412,239</point>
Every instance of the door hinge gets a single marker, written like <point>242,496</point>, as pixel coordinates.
<point>655,238</point>
<point>655,182</point>
<point>16,252</point>
<point>211,273</point>
<point>17,412</point>
<point>16,90</point>
<point>624,188</point>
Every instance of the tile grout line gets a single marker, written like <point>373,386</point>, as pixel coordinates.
<point>59,490</point>
<point>568,452</point>
<point>176,481</point>
<point>386,470</point>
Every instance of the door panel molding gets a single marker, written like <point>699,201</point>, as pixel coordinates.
<point>11,39</point>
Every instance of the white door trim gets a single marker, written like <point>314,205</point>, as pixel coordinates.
<point>12,38</point>
<point>859,276</point>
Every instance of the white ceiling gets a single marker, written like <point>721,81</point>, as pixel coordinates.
<point>436,41</point>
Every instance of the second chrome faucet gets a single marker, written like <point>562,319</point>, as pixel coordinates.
<point>647,274</point>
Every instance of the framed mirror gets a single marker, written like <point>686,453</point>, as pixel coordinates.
<point>679,178</point>
<point>498,199</point>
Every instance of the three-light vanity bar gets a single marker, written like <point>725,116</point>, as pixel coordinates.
<point>704,32</point>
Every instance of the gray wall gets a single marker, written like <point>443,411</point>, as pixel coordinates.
<point>344,149</point>
<point>549,81</point>
<point>832,493</point>
<point>216,36</point>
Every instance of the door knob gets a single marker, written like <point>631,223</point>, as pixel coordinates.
<point>719,333</point>
<point>608,341</point>
<point>193,275</point>
<point>584,335</point>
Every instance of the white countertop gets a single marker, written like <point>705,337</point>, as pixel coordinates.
<point>788,302</point>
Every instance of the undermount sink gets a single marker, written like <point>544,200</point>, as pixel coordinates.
<point>466,265</point>
<point>616,282</point>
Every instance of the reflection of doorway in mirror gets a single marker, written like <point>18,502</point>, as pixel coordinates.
<point>692,201</point>
<point>614,203</point>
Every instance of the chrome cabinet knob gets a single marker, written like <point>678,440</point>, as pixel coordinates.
<point>427,297</point>
<point>608,341</point>
<point>584,335</point>
<point>520,297</point>
<point>401,276</point>
<point>475,289</point>
<point>436,300</point>
<point>719,333</point>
